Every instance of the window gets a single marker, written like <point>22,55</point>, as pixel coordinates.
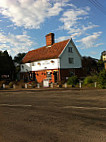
<point>22,67</point>
<point>33,64</point>
<point>70,49</point>
<point>49,76</point>
<point>71,60</point>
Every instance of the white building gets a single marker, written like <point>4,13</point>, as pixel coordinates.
<point>55,61</point>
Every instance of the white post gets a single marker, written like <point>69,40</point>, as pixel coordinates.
<point>80,85</point>
<point>38,85</point>
<point>65,85</point>
<point>14,86</point>
<point>26,86</point>
<point>4,86</point>
<point>95,84</point>
<point>51,85</point>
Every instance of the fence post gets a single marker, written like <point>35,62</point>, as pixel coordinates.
<point>14,86</point>
<point>26,86</point>
<point>38,85</point>
<point>80,84</point>
<point>4,86</point>
<point>65,85</point>
<point>95,84</point>
<point>51,85</point>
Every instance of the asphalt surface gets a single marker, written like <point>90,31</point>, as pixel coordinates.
<point>53,115</point>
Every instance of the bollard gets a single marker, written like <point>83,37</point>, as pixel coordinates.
<point>65,85</point>
<point>38,85</point>
<point>95,84</point>
<point>4,86</point>
<point>80,85</point>
<point>26,86</point>
<point>51,85</point>
<point>14,86</point>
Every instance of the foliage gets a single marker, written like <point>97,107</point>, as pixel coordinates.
<point>11,84</point>
<point>72,80</point>
<point>6,65</point>
<point>89,66</point>
<point>90,79</point>
<point>102,79</point>
<point>1,83</point>
<point>17,61</point>
<point>18,57</point>
<point>100,65</point>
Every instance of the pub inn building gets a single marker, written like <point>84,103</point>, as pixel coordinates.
<point>55,61</point>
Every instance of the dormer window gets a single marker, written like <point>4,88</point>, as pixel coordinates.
<point>70,49</point>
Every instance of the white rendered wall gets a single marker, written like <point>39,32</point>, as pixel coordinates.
<point>40,65</point>
<point>64,58</point>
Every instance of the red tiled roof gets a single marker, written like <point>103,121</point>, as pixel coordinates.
<point>44,53</point>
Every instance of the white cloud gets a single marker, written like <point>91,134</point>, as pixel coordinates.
<point>15,43</point>
<point>90,41</point>
<point>30,13</point>
<point>72,16</point>
<point>73,21</point>
<point>63,38</point>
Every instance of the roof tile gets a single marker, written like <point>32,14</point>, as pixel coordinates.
<point>44,53</point>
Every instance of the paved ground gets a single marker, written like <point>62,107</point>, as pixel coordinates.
<point>53,116</point>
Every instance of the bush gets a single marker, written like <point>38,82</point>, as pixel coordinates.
<point>11,84</point>
<point>88,80</point>
<point>102,79</point>
<point>72,80</point>
<point>95,78</point>
<point>2,82</point>
<point>21,84</point>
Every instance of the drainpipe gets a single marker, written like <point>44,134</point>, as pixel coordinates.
<point>59,68</point>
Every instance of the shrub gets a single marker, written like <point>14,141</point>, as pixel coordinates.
<point>11,84</point>
<point>88,80</point>
<point>2,82</point>
<point>102,79</point>
<point>95,78</point>
<point>72,80</point>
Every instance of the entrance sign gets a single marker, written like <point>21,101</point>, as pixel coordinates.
<point>46,83</point>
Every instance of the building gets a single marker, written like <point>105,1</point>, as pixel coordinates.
<point>104,55</point>
<point>104,58</point>
<point>55,61</point>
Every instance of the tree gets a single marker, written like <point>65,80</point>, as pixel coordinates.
<point>17,61</point>
<point>89,66</point>
<point>102,79</point>
<point>6,65</point>
<point>18,57</point>
<point>100,65</point>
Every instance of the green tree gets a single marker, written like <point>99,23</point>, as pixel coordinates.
<point>102,79</point>
<point>6,65</point>
<point>72,80</point>
<point>89,66</point>
<point>100,65</point>
<point>18,57</point>
<point>17,61</point>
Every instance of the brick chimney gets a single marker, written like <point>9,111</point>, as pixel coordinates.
<point>49,39</point>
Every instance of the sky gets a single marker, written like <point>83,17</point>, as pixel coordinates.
<point>24,24</point>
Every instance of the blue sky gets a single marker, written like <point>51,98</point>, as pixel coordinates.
<point>24,24</point>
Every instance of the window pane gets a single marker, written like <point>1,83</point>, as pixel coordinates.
<point>69,49</point>
<point>71,60</point>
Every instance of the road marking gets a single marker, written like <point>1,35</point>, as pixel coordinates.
<point>13,105</point>
<point>92,108</point>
